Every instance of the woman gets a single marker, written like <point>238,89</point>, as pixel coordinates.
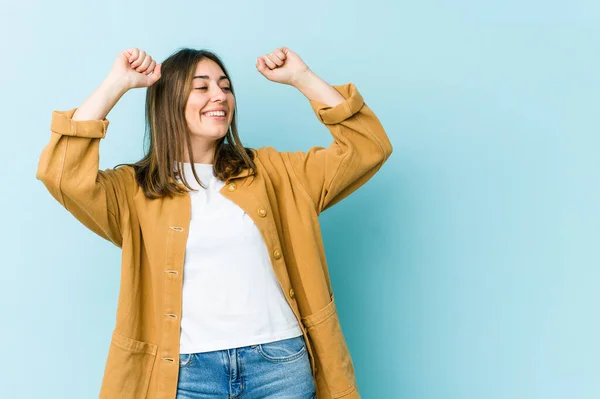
<point>225,290</point>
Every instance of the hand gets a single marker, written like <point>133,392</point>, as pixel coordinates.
<point>134,68</point>
<point>282,66</point>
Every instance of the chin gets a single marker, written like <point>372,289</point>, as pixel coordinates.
<point>220,134</point>
<point>214,135</point>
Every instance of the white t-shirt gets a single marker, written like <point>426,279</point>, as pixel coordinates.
<point>231,295</point>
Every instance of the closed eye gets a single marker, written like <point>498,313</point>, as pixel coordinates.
<point>204,88</point>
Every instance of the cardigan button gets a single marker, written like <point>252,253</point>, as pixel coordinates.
<point>262,212</point>
<point>231,187</point>
<point>292,295</point>
<point>277,254</point>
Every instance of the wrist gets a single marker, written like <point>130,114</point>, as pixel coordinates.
<point>304,80</point>
<point>316,89</point>
<point>114,86</point>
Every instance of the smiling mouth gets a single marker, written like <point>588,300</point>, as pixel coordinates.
<point>215,115</point>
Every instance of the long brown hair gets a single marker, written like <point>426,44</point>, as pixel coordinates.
<point>168,133</point>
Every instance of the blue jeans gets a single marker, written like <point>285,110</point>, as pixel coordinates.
<point>279,369</point>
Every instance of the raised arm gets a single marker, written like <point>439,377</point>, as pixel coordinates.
<point>69,163</point>
<point>359,148</point>
<point>360,145</point>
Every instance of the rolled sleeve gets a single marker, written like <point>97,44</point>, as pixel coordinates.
<point>62,123</point>
<point>353,102</point>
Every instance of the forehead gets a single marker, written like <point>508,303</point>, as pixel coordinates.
<point>210,68</point>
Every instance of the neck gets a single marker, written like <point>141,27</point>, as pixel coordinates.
<point>203,152</point>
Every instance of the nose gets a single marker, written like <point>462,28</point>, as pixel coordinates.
<point>218,93</point>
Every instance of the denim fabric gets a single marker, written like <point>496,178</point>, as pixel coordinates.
<point>279,369</point>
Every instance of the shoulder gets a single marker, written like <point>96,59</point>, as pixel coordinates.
<point>121,178</point>
<point>265,151</point>
<point>270,157</point>
<point>274,162</point>
<point>125,173</point>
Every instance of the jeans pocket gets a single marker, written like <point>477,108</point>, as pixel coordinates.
<point>285,350</point>
<point>185,359</point>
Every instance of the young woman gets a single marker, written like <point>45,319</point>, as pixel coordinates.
<point>225,290</point>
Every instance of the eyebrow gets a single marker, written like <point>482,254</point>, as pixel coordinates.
<point>223,77</point>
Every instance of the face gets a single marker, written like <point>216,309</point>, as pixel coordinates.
<point>210,92</point>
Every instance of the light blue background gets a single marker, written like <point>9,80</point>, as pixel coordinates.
<point>468,267</point>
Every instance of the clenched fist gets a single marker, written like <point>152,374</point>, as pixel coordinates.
<point>135,68</point>
<point>282,66</point>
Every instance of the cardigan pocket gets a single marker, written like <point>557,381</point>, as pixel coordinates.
<point>331,352</point>
<point>128,368</point>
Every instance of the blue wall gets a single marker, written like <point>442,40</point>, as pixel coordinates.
<point>467,268</point>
